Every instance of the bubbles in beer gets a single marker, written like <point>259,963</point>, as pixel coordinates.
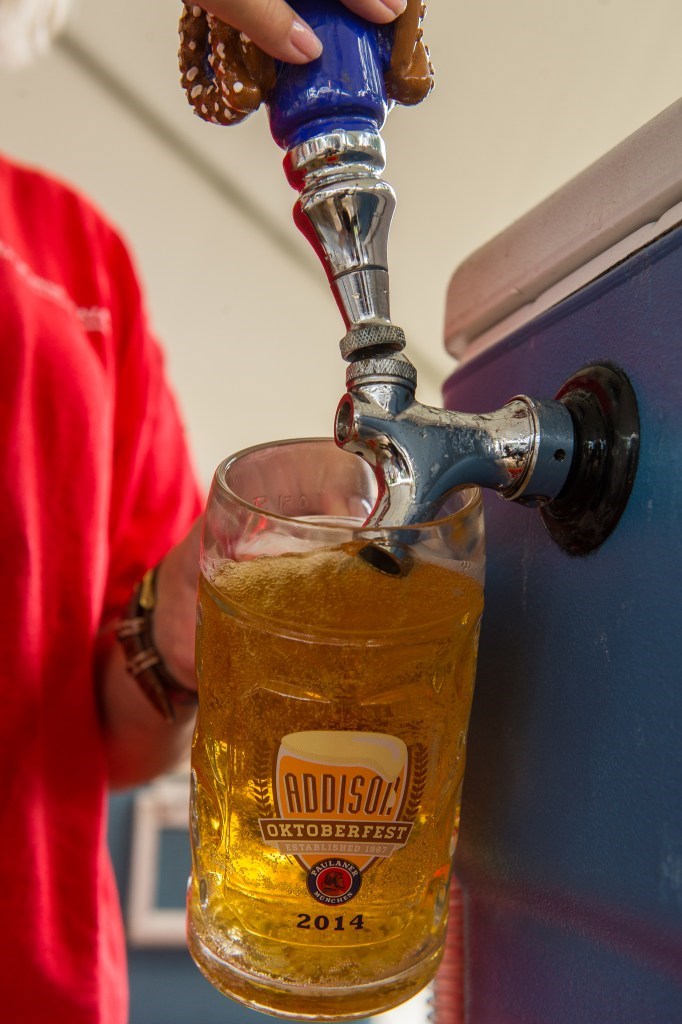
<point>298,655</point>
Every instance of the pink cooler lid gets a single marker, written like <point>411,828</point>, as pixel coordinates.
<point>616,206</point>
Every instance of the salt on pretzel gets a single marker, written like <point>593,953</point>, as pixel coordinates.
<point>225,76</point>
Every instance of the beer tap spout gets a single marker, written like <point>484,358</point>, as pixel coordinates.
<point>573,456</point>
<point>420,454</point>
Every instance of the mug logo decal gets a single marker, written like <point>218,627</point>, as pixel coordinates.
<point>341,802</point>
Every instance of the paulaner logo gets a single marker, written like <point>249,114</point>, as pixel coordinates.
<point>341,802</point>
<point>334,881</point>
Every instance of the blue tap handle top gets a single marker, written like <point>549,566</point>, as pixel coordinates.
<point>344,89</point>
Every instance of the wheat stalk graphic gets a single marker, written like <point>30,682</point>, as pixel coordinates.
<point>420,763</point>
<point>260,785</point>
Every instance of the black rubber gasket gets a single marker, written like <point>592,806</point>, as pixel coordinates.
<point>603,408</point>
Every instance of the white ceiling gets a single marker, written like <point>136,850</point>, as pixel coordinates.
<point>528,93</point>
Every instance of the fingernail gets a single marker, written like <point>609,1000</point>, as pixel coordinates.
<point>395,6</point>
<point>303,39</point>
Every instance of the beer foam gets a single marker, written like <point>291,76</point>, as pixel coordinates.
<point>331,592</point>
<point>386,755</point>
<point>268,543</point>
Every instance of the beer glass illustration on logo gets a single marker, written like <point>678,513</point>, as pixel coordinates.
<point>340,793</point>
<point>328,757</point>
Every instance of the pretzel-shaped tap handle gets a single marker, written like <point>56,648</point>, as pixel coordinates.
<point>364,68</point>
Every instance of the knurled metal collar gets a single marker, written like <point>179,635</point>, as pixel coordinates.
<point>371,336</point>
<point>382,367</point>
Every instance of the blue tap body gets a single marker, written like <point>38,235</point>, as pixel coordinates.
<point>343,89</point>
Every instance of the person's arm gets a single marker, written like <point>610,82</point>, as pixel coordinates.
<point>277,28</point>
<point>153,520</point>
<point>139,743</point>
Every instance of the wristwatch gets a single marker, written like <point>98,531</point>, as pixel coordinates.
<point>143,661</point>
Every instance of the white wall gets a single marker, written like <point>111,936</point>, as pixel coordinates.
<point>528,93</point>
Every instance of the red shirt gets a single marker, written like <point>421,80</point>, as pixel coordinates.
<point>95,485</point>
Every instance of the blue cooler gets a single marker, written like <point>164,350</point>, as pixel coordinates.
<point>570,853</point>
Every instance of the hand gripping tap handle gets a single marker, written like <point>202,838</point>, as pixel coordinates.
<point>328,116</point>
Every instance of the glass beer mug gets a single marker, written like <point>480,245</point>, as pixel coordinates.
<point>327,762</point>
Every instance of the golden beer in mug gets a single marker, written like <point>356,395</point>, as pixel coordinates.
<point>328,756</point>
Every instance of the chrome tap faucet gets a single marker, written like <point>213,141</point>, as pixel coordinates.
<point>344,210</point>
<point>572,456</point>
<point>575,455</point>
<point>420,454</point>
